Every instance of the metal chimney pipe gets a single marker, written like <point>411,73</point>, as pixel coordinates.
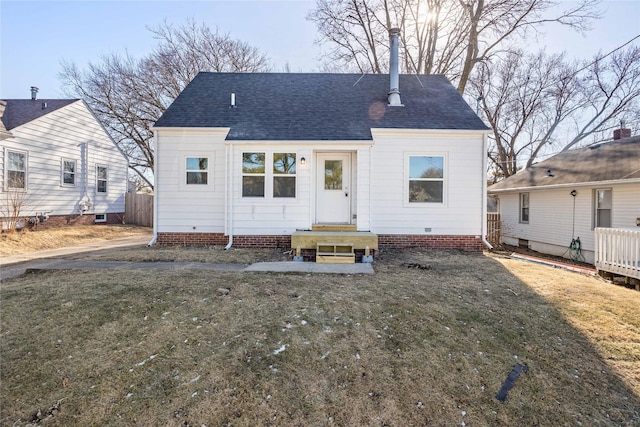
<point>394,75</point>
<point>34,93</point>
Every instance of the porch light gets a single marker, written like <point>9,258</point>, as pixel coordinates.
<point>303,161</point>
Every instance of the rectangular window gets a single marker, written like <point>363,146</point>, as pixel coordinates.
<point>68,172</point>
<point>284,175</point>
<point>426,179</point>
<point>603,204</point>
<point>101,217</point>
<point>16,170</point>
<point>253,174</point>
<point>524,208</point>
<point>197,170</point>
<point>101,179</point>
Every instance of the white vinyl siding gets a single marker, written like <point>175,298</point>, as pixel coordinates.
<point>460,213</point>
<point>72,133</point>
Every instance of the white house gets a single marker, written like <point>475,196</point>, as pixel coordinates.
<point>561,200</point>
<point>59,164</point>
<point>260,159</point>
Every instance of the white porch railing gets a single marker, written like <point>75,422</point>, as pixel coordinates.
<point>618,251</point>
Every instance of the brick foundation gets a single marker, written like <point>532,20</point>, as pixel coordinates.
<point>57,221</point>
<point>464,243</point>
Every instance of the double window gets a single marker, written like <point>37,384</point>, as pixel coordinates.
<point>68,174</point>
<point>603,204</point>
<point>281,175</point>
<point>16,170</point>
<point>426,179</point>
<point>524,208</point>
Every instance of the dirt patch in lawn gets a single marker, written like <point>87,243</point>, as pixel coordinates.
<point>26,241</point>
<point>406,346</point>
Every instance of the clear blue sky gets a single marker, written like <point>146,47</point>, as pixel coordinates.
<point>36,35</point>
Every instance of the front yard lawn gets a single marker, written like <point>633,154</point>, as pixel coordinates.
<point>407,346</point>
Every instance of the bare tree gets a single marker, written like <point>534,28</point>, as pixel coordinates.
<point>13,202</point>
<point>438,36</point>
<point>532,102</point>
<point>128,95</point>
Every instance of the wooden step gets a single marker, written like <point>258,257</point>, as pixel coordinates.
<point>333,227</point>
<point>335,252</point>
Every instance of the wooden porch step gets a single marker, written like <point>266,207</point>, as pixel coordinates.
<point>335,252</point>
<point>334,227</point>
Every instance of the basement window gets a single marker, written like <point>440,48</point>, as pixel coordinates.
<point>101,217</point>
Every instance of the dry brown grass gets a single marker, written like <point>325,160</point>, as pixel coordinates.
<point>26,241</point>
<point>403,347</point>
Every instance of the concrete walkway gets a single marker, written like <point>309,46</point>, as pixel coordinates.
<point>76,258</point>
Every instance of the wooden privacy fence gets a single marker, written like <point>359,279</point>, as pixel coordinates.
<point>139,209</point>
<point>618,251</point>
<point>493,227</point>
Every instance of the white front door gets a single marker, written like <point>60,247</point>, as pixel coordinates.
<point>334,188</point>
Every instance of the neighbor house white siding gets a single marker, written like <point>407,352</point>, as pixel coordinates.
<point>552,223</point>
<point>460,213</point>
<point>68,133</point>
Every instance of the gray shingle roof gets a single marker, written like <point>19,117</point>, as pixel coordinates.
<point>610,161</point>
<point>291,106</point>
<point>21,111</point>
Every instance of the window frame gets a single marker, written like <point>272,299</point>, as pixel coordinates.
<point>24,153</point>
<point>284,175</point>
<point>408,179</point>
<point>63,171</point>
<point>104,219</point>
<point>187,171</point>
<point>522,207</point>
<point>254,174</point>
<point>106,180</point>
<point>596,208</point>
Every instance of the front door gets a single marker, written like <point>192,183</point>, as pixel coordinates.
<point>334,188</point>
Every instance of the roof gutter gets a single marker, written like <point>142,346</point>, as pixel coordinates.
<point>566,185</point>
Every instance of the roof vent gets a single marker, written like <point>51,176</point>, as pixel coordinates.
<point>34,93</point>
<point>233,100</point>
<point>44,105</point>
<point>394,74</point>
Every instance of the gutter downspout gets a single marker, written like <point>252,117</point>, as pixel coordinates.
<point>228,208</point>
<point>483,226</point>
<point>155,193</point>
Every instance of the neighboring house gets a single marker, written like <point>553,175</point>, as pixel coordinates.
<point>562,199</point>
<point>59,164</point>
<point>252,159</point>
